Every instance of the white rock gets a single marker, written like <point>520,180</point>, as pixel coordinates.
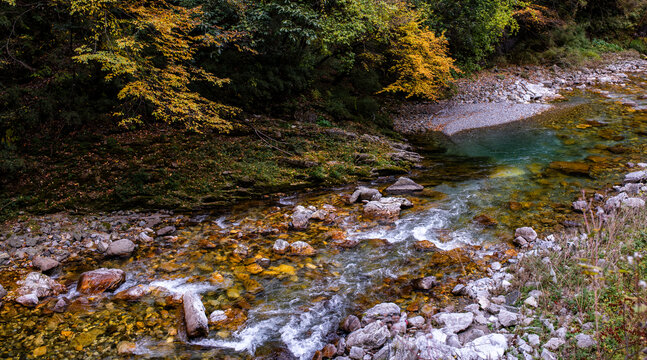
<point>530,301</point>
<point>584,341</point>
<point>533,339</point>
<point>454,322</point>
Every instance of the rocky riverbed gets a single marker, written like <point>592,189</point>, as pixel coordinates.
<point>501,96</point>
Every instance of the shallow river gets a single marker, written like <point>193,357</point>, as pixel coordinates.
<point>480,185</point>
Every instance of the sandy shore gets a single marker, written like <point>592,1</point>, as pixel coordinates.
<point>454,118</point>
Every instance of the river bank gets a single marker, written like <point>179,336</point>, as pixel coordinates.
<point>499,96</point>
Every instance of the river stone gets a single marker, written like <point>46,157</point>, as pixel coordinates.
<point>383,311</point>
<point>386,208</point>
<point>29,300</point>
<point>454,322</point>
<point>404,185</point>
<point>195,318</point>
<point>372,336</point>
<point>350,323</point>
<point>167,230</point>
<point>364,193</point>
<point>217,316</point>
<point>301,248</point>
<point>123,247</point>
<point>584,341</point>
<point>571,168</point>
<point>133,293</point>
<point>527,233</point>
<point>636,177</point>
<point>426,283</point>
<point>507,318</point>
<point>40,285</point>
<point>301,217</point>
<point>281,246</point>
<point>44,263</point>
<point>100,280</point>
<point>3,292</point>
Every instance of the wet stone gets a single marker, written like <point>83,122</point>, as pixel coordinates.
<point>364,193</point>
<point>29,300</point>
<point>404,185</point>
<point>133,293</point>
<point>44,263</point>
<point>372,336</point>
<point>123,247</point>
<point>40,285</point>
<point>281,246</point>
<point>195,318</point>
<point>301,248</point>
<point>167,230</point>
<point>100,280</point>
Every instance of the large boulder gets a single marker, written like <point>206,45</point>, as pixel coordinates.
<point>195,317</point>
<point>364,193</point>
<point>123,247</point>
<point>404,185</point>
<point>372,336</point>
<point>100,280</point>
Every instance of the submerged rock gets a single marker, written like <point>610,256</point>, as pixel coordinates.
<point>133,293</point>
<point>571,168</point>
<point>404,185</point>
<point>281,246</point>
<point>425,283</point>
<point>195,317</point>
<point>301,248</point>
<point>100,280</point>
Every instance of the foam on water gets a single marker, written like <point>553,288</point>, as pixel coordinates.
<point>181,286</point>
<point>303,333</point>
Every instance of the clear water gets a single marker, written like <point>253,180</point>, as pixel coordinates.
<point>294,309</point>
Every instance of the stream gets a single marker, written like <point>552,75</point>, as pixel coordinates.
<point>479,186</point>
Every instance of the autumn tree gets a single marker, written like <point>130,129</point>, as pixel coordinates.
<point>150,46</point>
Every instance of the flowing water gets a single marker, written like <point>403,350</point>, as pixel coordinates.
<point>480,185</point>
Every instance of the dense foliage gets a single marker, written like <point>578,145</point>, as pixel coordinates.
<point>70,64</point>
